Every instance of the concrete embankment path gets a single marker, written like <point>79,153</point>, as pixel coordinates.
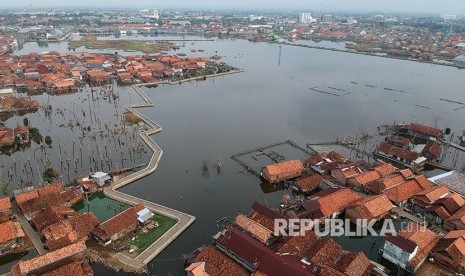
<point>183,220</point>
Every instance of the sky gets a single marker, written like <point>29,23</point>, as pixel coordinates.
<point>405,6</point>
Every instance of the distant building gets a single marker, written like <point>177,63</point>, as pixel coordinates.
<point>156,15</point>
<point>327,18</point>
<point>449,16</point>
<point>460,45</point>
<point>306,18</point>
<point>351,21</point>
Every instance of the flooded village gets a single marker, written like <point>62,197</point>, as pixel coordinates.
<point>69,157</point>
<point>327,185</point>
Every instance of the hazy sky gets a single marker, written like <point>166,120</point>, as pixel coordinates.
<point>409,6</point>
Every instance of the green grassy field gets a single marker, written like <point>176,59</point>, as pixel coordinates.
<point>142,241</point>
<point>91,42</point>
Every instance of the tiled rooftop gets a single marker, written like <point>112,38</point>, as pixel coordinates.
<point>10,230</point>
<point>218,264</point>
<point>40,262</point>
<point>5,203</point>
<point>423,237</point>
<point>284,167</point>
<point>257,230</point>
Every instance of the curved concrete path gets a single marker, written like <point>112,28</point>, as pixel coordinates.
<point>183,220</point>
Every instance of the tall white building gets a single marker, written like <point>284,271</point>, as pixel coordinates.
<point>306,18</point>
<point>449,16</point>
<point>156,14</point>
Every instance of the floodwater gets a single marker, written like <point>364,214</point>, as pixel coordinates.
<point>271,101</point>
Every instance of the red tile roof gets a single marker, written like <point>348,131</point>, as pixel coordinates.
<point>430,195</point>
<point>257,230</point>
<point>52,215</point>
<point>431,131</point>
<point>404,191</point>
<point>367,177</point>
<point>331,201</point>
<point>218,264</point>
<point>452,202</point>
<point>384,168</point>
<point>421,236</point>
<point>389,149</point>
<point>385,183</point>
<point>439,210</point>
<point>77,268</point>
<point>458,215</point>
<point>309,182</point>
<point>284,167</point>
<point>398,140</point>
<point>354,264</point>
<point>69,231</point>
<point>372,207</point>
<point>254,252</point>
<point>325,251</point>
<point>116,224</point>
<point>41,262</point>
<point>10,230</point>
<point>432,148</point>
<point>297,245</point>
<point>5,203</point>
<point>64,84</point>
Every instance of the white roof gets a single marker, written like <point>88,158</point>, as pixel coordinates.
<point>420,159</point>
<point>6,91</point>
<point>436,179</point>
<point>459,58</point>
<point>98,175</point>
<point>144,215</point>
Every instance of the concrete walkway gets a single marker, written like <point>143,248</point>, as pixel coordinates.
<point>402,213</point>
<point>183,220</point>
<point>35,238</point>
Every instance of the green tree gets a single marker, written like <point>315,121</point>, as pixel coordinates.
<point>5,186</point>
<point>48,140</point>
<point>50,175</point>
<point>26,121</point>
